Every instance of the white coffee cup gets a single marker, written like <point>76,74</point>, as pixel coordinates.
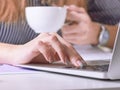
<point>45,18</point>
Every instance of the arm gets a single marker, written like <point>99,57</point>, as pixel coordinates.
<point>45,47</point>
<point>6,51</point>
<point>105,12</point>
<point>84,31</point>
<point>112,32</point>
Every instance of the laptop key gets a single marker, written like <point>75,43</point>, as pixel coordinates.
<point>101,68</point>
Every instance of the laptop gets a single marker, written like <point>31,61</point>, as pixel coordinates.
<point>98,69</point>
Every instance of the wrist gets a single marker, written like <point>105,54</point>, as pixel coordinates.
<point>8,53</point>
<point>15,54</point>
<point>97,30</point>
<point>20,54</point>
<point>103,36</point>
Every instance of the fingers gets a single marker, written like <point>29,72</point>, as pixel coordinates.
<point>76,9</point>
<point>59,48</point>
<point>75,59</point>
<point>54,47</point>
<point>68,29</point>
<point>76,14</point>
<point>73,56</point>
<point>46,51</point>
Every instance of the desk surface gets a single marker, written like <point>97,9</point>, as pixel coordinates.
<point>50,81</point>
<point>27,80</point>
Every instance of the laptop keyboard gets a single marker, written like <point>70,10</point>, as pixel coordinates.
<point>101,68</point>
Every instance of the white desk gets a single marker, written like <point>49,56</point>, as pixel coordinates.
<point>93,53</point>
<point>50,81</point>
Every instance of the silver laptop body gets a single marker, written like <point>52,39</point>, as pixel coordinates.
<point>110,69</point>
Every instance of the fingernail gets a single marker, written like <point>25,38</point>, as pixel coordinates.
<point>63,61</point>
<point>50,62</point>
<point>80,64</point>
<point>67,62</point>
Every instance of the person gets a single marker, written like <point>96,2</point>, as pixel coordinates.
<point>19,44</point>
<point>86,25</point>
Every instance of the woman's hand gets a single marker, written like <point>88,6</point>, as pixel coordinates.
<point>84,31</point>
<point>47,47</point>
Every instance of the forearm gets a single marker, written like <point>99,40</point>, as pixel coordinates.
<point>112,29</point>
<point>112,32</point>
<point>6,51</point>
